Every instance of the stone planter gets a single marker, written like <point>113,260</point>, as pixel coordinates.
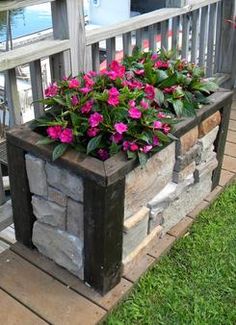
<point>96,218</point>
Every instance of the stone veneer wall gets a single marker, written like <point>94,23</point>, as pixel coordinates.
<point>57,200</point>
<point>171,185</point>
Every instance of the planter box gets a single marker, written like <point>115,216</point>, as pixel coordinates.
<point>95,218</point>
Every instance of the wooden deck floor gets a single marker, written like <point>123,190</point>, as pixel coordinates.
<point>34,290</point>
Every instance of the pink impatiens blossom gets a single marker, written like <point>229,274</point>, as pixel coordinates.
<point>132,103</point>
<point>166,128</point>
<point>154,57</point>
<point>73,83</point>
<point>133,147</point>
<point>144,104</point>
<point>147,148</point>
<point>54,132</point>
<point>86,108</point>
<point>85,90</point>
<point>66,136</point>
<point>139,72</point>
<point>126,145</point>
<point>113,97</point>
<point>118,69</point>
<point>74,100</point>
<point>89,83</point>
<point>149,91</point>
<point>52,90</point>
<point>157,125</point>
<point>161,115</point>
<point>155,141</point>
<point>103,154</point>
<point>135,113</point>
<point>116,138</point>
<point>95,119</point>
<point>92,132</point>
<point>169,90</point>
<point>121,127</point>
<point>161,64</point>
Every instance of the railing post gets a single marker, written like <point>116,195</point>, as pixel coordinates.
<point>227,42</point>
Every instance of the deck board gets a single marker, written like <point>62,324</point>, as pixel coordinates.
<point>44,295</point>
<point>14,313</point>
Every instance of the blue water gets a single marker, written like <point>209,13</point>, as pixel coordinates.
<point>30,20</point>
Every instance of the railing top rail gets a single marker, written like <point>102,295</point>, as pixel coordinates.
<point>100,34</point>
<point>17,4</point>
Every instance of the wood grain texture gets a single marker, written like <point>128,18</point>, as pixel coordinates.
<point>211,40</point>
<point>37,87</point>
<point>32,52</point>
<point>44,295</point>
<point>195,35</point>
<point>16,4</point>
<point>13,99</point>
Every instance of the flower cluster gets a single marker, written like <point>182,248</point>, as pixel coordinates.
<point>128,107</point>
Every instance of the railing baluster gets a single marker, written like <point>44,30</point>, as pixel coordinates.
<point>203,36</point>
<point>211,40</point>
<point>37,86</point>
<point>13,100</point>
<point>139,38</point>
<point>111,49</point>
<point>95,57</point>
<point>2,192</point>
<point>164,34</point>
<point>127,43</point>
<point>195,35</point>
<point>185,37</point>
<point>218,39</point>
<point>175,34</point>
<point>152,36</point>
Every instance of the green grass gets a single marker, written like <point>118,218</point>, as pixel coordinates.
<point>195,284</point>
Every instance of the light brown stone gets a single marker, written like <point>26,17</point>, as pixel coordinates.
<point>231,136</point>
<point>187,141</point>
<point>209,124</point>
<point>229,163</point>
<point>225,177</point>
<point>181,227</point>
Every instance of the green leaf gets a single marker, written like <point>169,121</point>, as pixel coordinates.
<point>45,140</point>
<point>59,100</point>
<point>170,81</point>
<point>75,119</point>
<point>159,96</point>
<point>178,107</point>
<point>163,137</point>
<point>114,149</point>
<point>59,150</point>
<point>94,143</point>
<point>142,157</point>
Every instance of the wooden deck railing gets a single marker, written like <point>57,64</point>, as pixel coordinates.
<point>196,27</point>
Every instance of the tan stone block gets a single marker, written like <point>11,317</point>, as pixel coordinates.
<point>181,227</point>
<point>209,124</point>
<point>187,141</point>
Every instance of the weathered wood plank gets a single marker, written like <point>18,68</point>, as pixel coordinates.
<point>164,34</point>
<point>195,35</point>
<point>54,302</point>
<point>8,235</point>
<point>152,34</point>
<point>142,21</point>
<point>218,38</point>
<point>203,36</point>
<point>37,87</point>
<point>175,34</point>
<point>103,234</point>
<point>2,191</point>
<point>95,57</point>
<point>111,49</point>
<point>16,4</point>
<point>32,52</point>
<point>127,43</point>
<point>185,37</point>
<point>13,97</point>
<point>211,40</point>
<point>6,217</point>
<point>107,301</point>
<point>139,38</point>
<point>21,204</point>
<point>12,311</point>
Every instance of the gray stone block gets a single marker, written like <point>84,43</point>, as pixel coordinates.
<point>35,168</point>
<point>207,146</point>
<point>63,248</point>
<point>163,198</point>
<point>75,219</point>
<point>57,196</point>
<point>205,168</point>
<point>135,231</point>
<point>49,212</point>
<point>192,155</point>
<point>156,219</point>
<point>143,183</point>
<point>68,183</point>
<point>180,176</point>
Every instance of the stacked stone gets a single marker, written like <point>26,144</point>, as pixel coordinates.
<point>172,184</point>
<point>57,201</point>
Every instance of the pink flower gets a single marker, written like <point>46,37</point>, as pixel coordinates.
<point>139,72</point>
<point>144,104</point>
<point>66,136</point>
<point>118,69</point>
<point>126,145</point>
<point>91,74</point>
<point>161,65</point>
<point>169,90</point>
<point>86,108</point>
<point>155,141</point>
<point>116,138</point>
<point>121,127</point>
<point>52,90</point>
<point>134,84</point>
<point>157,125</point>
<point>148,148</point>
<point>54,132</point>
<point>133,147</point>
<point>88,81</point>
<point>92,132</point>
<point>73,83</point>
<point>113,97</point>
<point>103,154</point>
<point>135,113</point>
<point>166,128</point>
<point>149,91</point>
<point>95,119</point>
<point>85,90</point>
<point>132,103</point>
<point>74,100</point>
<point>161,115</point>
<point>154,57</point>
